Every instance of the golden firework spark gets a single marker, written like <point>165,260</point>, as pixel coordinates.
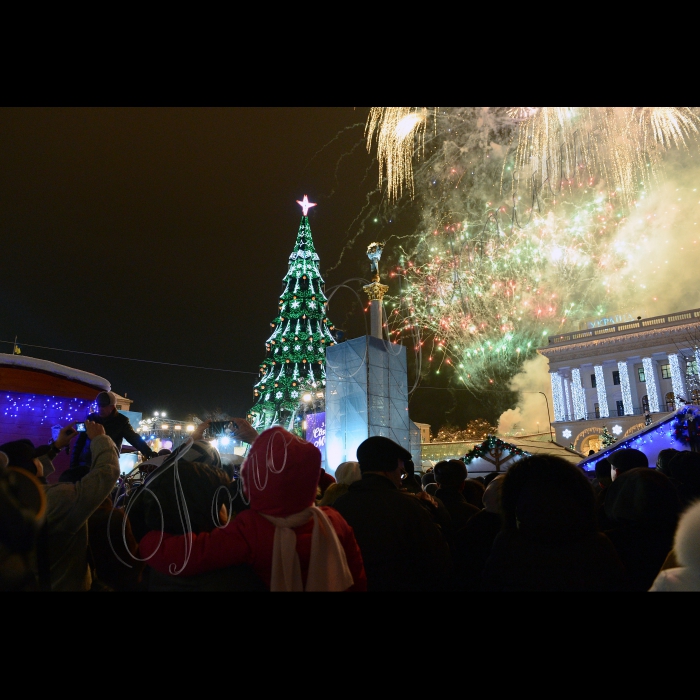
<point>397,130</point>
<point>667,126</point>
<point>521,113</point>
<point>622,145</point>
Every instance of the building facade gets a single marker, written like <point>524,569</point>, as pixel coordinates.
<point>622,376</point>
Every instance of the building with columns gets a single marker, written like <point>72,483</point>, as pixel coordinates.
<point>622,376</point>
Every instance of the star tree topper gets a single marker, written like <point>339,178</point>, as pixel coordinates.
<point>306,205</point>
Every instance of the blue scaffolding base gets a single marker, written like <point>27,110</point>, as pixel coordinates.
<point>366,394</point>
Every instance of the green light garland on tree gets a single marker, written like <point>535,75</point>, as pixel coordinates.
<point>296,351</point>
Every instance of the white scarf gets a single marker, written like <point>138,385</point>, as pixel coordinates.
<point>328,566</point>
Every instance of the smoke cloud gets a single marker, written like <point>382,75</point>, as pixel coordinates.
<point>530,415</point>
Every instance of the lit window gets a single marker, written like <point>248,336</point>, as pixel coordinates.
<point>665,371</point>
<point>640,372</point>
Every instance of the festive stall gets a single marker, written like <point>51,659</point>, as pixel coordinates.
<point>680,430</point>
<point>492,455</point>
<point>38,398</point>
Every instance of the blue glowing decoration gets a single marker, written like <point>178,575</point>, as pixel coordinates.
<point>38,417</point>
<point>656,437</point>
<point>686,426</point>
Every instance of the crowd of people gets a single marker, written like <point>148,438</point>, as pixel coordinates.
<point>278,522</point>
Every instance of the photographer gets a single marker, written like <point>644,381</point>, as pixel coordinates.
<point>69,505</point>
<point>116,425</point>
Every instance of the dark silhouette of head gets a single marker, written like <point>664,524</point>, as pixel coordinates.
<point>380,454</point>
<point>602,472</point>
<point>450,474</point>
<point>625,459</point>
<point>685,471</point>
<point>188,500</point>
<point>473,492</point>
<point>431,488</point>
<point>643,497</point>
<point>428,478</point>
<point>489,478</point>
<point>664,458</point>
<point>547,498</point>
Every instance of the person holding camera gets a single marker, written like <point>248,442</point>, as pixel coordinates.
<point>116,425</point>
<point>69,505</point>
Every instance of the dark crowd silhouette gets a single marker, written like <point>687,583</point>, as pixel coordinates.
<point>191,520</point>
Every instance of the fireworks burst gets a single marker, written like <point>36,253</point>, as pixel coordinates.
<point>521,208</point>
<point>398,131</point>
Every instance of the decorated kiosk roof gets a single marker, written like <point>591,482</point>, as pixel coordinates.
<point>34,363</point>
<point>677,430</point>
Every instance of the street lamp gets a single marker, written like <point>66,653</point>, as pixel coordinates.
<point>549,416</point>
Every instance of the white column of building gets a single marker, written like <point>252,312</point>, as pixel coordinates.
<point>578,394</point>
<point>677,380</point>
<point>602,394</point>
<point>567,398</point>
<point>625,386</point>
<point>652,388</point>
<point>557,396</point>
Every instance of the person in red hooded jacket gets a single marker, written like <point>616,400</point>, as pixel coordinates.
<point>290,543</point>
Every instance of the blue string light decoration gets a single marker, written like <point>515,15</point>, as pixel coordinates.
<point>42,409</point>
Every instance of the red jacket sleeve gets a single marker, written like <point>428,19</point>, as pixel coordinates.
<point>194,554</point>
<point>352,549</point>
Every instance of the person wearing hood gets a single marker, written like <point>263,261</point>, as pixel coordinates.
<point>686,546</point>
<point>345,474</point>
<point>291,544</point>
<point>550,540</point>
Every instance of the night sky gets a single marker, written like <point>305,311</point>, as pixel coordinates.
<point>164,234</point>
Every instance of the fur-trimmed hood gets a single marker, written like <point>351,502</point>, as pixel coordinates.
<point>687,540</point>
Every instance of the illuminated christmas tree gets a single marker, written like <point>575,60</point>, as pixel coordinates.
<point>295,361</point>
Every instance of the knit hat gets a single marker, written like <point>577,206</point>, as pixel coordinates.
<point>20,453</point>
<point>347,472</point>
<point>280,473</point>
<point>380,454</point>
<point>628,458</point>
<point>106,398</point>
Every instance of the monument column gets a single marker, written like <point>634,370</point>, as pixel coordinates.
<point>375,291</point>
